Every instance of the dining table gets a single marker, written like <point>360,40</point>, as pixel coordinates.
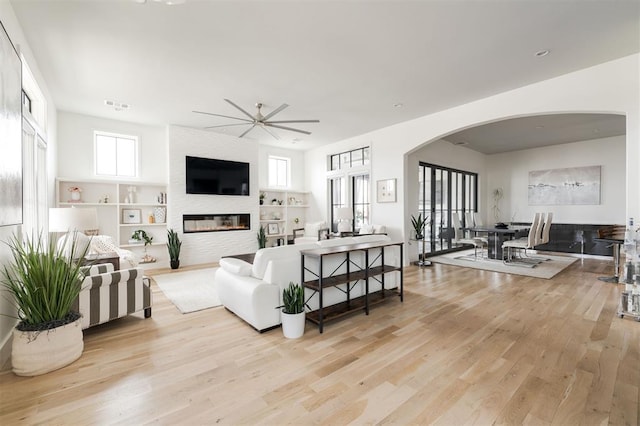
<point>498,235</point>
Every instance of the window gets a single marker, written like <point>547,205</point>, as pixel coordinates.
<point>279,176</point>
<point>361,202</point>
<point>338,200</point>
<point>349,186</point>
<point>346,160</point>
<point>116,155</point>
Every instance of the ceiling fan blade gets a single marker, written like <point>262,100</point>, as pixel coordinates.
<point>247,131</point>
<point>245,112</point>
<point>295,121</point>
<point>226,125</point>
<point>225,116</point>
<point>274,112</point>
<point>287,128</point>
<point>276,137</point>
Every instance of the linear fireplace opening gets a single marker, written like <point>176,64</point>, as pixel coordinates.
<point>215,222</point>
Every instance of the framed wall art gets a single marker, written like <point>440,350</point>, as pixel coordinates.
<point>130,216</point>
<point>10,132</point>
<point>272,229</point>
<point>386,191</point>
<point>568,186</point>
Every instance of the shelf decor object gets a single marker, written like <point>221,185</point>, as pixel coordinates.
<point>160,214</point>
<point>131,216</point>
<point>386,191</point>
<point>273,229</point>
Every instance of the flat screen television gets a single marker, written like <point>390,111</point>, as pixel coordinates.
<point>219,177</point>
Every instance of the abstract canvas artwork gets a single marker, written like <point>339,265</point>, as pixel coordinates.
<point>573,185</point>
<point>10,133</point>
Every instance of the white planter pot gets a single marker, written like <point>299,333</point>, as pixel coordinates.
<point>39,352</point>
<point>293,325</point>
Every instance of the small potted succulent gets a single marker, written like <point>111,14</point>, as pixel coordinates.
<point>262,238</point>
<point>418,225</point>
<point>174,245</point>
<point>293,316</point>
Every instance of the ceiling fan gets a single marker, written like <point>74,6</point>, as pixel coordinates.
<point>259,120</point>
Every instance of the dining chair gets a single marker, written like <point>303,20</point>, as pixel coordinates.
<point>460,239</point>
<point>524,244</point>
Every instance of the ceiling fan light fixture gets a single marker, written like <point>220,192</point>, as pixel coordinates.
<point>260,120</point>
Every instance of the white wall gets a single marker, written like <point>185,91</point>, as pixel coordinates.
<point>75,153</point>
<point>11,25</point>
<point>207,247</point>
<point>612,87</point>
<point>511,172</point>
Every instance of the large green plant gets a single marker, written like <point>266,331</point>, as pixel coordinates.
<point>173,245</point>
<point>43,280</point>
<point>262,238</point>
<point>293,299</point>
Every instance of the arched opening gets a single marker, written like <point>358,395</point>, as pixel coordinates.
<point>502,153</point>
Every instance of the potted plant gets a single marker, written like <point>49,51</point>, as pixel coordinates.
<point>418,225</point>
<point>44,284</point>
<point>293,317</point>
<point>262,238</point>
<point>140,235</point>
<point>173,245</point>
<point>262,195</point>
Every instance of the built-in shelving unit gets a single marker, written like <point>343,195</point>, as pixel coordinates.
<point>122,207</point>
<point>279,211</point>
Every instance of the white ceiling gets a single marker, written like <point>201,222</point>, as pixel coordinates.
<point>345,63</point>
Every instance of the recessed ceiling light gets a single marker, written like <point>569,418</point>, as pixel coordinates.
<point>460,143</point>
<point>118,106</point>
<point>541,53</point>
<point>398,105</point>
<point>539,127</point>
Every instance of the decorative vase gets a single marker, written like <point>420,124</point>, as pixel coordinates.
<point>160,214</point>
<point>175,264</point>
<point>39,352</point>
<point>293,325</point>
<point>75,195</point>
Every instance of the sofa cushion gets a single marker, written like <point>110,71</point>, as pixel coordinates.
<point>366,229</point>
<point>236,266</point>
<point>379,229</point>
<point>265,255</point>
<point>311,229</point>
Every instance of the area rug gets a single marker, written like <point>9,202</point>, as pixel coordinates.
<point>547,269</point>
<point>190,291</point>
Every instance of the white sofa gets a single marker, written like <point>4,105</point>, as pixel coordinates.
<point>254,291</point>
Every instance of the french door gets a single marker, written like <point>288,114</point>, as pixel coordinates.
<point>443,192</point>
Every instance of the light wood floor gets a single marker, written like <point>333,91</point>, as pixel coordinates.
<point>466,347</point>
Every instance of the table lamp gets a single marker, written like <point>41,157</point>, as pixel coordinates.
<point>344,216</point>
<point>69,221</point>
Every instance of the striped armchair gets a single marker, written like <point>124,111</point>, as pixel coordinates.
<point>107,294</point>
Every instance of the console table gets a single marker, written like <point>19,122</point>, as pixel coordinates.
<point>354,273</point>
<point>92,259</point>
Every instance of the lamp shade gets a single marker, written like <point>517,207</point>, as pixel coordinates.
<point>344,213</point>
<point>72,219</point>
